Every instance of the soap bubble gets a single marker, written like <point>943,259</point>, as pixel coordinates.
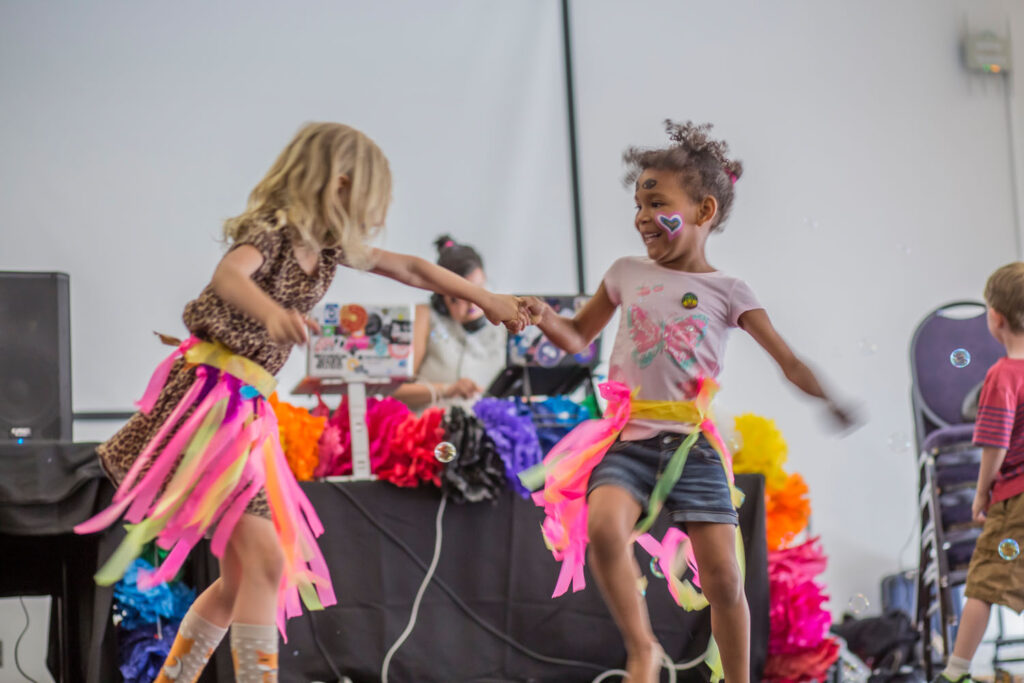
<point>1009,549</point>
<point>655,570</point>
<point>899,442</point>
<point>867,347</point>
<point>960,358</point>
<point>858,604</point>
<point>445,452</point>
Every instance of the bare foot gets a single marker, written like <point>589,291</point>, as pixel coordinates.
<point>643,665</point>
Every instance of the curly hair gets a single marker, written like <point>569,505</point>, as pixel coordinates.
<point>703,165</point>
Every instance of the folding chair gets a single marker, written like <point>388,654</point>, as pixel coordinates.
<point>947,462</point>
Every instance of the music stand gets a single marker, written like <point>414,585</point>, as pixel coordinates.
<point>358,347</point>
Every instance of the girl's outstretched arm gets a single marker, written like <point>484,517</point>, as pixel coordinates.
<point>572,335</point>
<point>757,324</point>
<point>417,272</point>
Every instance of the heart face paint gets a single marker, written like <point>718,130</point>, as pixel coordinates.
<point>673,224</point>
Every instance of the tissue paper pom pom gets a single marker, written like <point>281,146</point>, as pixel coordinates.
<point>809,665</point>
<point>168,601</point>
<point>142,654</point>
<point>555,417</point>
<point>412,460</point>
<point>763,449</point>
<point>382,419</point>
<point>787,511</point>
<point>514,436</point>
<point>299,431</point>
<point>477,473</point>
<point>798,620</point>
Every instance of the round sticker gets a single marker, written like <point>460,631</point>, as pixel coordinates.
<point>689,300</point>
<point>353,318</point>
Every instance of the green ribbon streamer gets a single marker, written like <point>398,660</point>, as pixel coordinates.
<point>139,535</point>
<point>667,481</point>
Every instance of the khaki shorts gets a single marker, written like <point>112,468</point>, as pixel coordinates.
<point>990,578</point>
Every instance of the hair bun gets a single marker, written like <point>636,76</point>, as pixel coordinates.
<point>734,169</point>
<point>444,242</point>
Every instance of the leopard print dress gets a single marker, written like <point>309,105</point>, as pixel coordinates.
<point>210,318</point>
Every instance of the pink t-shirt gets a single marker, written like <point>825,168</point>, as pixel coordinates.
<point>673,328</point>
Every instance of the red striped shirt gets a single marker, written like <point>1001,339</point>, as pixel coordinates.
<point>1000,424</point>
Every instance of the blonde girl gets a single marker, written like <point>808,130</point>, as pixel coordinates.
<point>202,457</point>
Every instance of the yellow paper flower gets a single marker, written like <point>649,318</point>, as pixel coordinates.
<point>763,450</point>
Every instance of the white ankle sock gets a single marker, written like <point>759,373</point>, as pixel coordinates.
<point>956,667</point>
<point>196,640</point>
<point>254,649</point>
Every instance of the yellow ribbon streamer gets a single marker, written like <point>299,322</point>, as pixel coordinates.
<point>221,357</point>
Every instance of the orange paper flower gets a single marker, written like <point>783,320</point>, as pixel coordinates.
<point>787,510</point>
<point>300,433</point>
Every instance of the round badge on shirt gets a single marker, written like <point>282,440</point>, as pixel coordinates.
<point>689,300</point>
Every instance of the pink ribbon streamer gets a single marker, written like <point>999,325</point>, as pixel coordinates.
<point>248,425</point>
<point>159,378</point>
<point>567,469</point>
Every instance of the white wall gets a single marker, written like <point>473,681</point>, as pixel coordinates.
<point>862,134</point>
<point>131,130</point>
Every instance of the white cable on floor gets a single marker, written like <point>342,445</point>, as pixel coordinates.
<point>419,594</point>
<point>666,663</point>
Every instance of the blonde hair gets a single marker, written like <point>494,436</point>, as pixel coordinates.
<point>301,190</point>
<point>1004,293</point>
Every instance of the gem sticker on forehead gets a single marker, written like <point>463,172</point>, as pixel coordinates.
<point>650,183</point>
<point>673,224</point>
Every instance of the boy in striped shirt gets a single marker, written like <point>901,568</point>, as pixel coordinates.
<point>998,503</point>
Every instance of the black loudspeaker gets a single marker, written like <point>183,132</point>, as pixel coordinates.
<point>35,357</point>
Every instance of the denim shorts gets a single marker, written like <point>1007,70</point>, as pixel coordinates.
<point>701,495</point>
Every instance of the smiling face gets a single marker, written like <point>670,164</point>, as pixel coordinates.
<point>673,226</point>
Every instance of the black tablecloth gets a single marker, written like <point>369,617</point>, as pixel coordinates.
<point>493,558</point>
<point>45,489</point>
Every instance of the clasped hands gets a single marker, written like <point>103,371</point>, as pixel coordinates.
<point>516,313</point>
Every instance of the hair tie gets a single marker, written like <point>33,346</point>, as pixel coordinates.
<point>450,243</point>
<point>732,177</point>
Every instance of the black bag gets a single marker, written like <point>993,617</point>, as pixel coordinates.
<point>886,643</point>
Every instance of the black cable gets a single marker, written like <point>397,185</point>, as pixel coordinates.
<point>457,600</point>
<point>17,643</point>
